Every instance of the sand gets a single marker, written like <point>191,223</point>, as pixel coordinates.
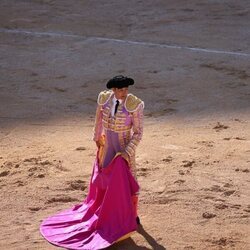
<point>190,62</point>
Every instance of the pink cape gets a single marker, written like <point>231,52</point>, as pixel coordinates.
<point>106,215</point>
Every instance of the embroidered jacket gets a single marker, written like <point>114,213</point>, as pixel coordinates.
<point>128,122</point>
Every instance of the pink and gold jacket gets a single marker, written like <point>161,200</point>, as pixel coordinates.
<point>128,122</point>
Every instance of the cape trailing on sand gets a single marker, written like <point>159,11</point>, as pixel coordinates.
<point>106,215</point>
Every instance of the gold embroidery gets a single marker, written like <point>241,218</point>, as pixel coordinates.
<point>132,103</point>
<point>104,96</point>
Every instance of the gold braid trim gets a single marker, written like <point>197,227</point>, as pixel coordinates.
<point>132,103</point>
<point>104,96</point>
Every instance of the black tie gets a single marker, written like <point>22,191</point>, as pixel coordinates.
<point>116,106</point>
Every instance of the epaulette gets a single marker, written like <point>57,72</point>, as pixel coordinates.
<point>103,97</point>
<point>132,103</point>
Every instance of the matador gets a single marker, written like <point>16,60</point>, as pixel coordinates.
<point>118,124</point>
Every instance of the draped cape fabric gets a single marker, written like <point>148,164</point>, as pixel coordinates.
<point>106,215</point>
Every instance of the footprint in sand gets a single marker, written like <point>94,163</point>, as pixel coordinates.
<point>220,200</point>
<point>47,162</point>
<point>188,247</point>
<point>61,77</point>
<point>81,148</point>
<point>245,170</point>
<point>209,197</point>
<point>220,127</point>
<point>7,164</point>
<point>223,242</point>
<point>4,173</point>
<point>170,101</point>
<point>217,188</point>
<point>40,176</point>
<point>34,209</point>
<point>228,185</point>
<point>239,73</point>
<point>236,206</point>
<point>59,165</point>
<point>63,199</point>
<point>221,206</point>
<point>19,183</point>
<point>179,181</point>
<point>40,167</point>
<point>33,169</point>
<point>143,172</point>
<point>240,138</point>
<point>33,74</point>
<point>60,89</point>
<point>187,10</point>
<point>152,71</point>
<point>30,174</point>
<point>238,120</point>
<point>85,85</point>
<point>208,215</point>
<point>164,200</point>
<point>214,188</point>
<point>32,160</point>
<point>247,209</point>
<point>39,88</point>
<point>181,172</point>
<point>188,164</point>
<point>167,159</point>
<point>14,172</point>
<point>77,185</point>
<point>229,192</point>
<point>206,143</point>
<point>242,170</point>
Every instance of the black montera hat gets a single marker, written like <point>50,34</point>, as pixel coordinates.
<point>119,82</point>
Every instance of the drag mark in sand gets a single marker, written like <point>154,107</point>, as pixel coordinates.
<point>140,43</point>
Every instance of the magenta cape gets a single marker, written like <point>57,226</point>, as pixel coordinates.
<point>106,215</point>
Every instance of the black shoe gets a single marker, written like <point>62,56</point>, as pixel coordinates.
<point>138,220</point>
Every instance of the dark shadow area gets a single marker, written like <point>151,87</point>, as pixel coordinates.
<point>131,245</point>
<point>51,70</point>
<point>150,239</point>
<point>127,244</point>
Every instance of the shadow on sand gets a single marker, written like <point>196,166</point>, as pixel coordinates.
<point>131,245</point>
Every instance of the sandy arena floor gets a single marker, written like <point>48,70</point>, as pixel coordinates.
<point>191,64</point>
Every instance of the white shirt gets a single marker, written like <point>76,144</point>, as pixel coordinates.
<point>113,105</point>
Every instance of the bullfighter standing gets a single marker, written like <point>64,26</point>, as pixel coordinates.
<point>119,125</point>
